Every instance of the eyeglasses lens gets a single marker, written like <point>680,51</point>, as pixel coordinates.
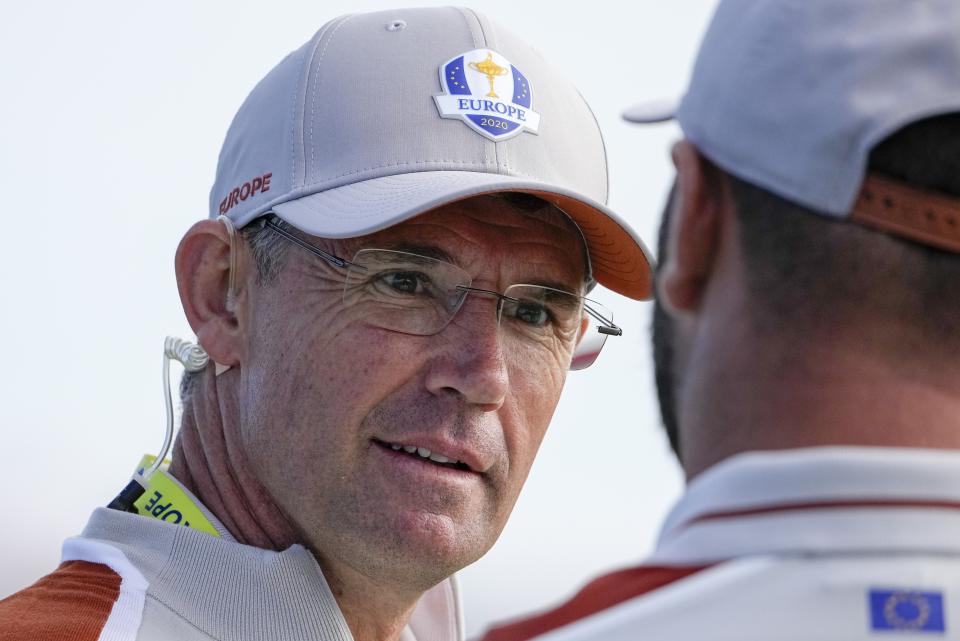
<point>404,292</point>
<point>418,295</point>
<point>592,339</point>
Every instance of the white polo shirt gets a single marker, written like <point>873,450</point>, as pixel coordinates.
<point>824,543</point>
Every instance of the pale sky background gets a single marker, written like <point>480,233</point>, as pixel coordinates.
<point>111,118</point>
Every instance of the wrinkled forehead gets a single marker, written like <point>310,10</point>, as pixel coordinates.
<point>511,227</point>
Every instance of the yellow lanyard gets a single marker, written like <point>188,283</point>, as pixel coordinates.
<point>164,500</point>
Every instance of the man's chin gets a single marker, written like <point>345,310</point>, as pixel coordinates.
<point>437,545</point>
<point>440,535</point>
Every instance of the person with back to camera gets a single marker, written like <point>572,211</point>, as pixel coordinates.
<point>806,337</point>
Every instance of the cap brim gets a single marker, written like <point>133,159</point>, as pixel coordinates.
<point>652,111</point>
<point>619,259</point>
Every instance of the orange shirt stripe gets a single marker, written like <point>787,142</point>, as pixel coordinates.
<point>70,604</point>
<point>598,595</point>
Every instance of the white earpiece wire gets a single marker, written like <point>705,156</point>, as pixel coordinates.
<point>193,359</point>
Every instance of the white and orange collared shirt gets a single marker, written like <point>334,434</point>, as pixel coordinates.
<point>837,543</point>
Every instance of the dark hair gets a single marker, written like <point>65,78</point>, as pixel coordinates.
<point>664,342</point>
<point>808,272</point>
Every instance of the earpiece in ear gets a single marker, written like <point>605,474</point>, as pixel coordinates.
<point>231,283</point>
<point>231,279</point>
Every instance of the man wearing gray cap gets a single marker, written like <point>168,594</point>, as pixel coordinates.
<point>406,217</point>
<point>806,343</point>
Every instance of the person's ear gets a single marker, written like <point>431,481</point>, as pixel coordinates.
<point>203,267</point>
<point>700,203</point>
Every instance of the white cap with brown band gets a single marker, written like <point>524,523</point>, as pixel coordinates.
<point>792,95</point>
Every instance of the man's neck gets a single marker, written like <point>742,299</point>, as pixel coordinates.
<point>208,460</point>
<point>768,397</point>
<point>374,611</point>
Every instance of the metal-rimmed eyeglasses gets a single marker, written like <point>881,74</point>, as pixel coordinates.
<point>419,295</point>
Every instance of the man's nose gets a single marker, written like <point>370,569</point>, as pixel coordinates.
<point>469,359</point>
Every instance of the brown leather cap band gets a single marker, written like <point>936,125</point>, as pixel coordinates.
<point>901,209</point>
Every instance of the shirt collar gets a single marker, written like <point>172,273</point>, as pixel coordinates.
<point>817,500</point>
<point>158,548</point>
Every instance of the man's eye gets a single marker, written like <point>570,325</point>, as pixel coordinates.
<point>532,314</point>
<point>405,282</point>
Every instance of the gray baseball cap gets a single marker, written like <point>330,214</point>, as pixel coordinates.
<point>383,116</point>
<point>792,95</point>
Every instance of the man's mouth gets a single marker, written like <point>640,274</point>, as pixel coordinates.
<point>425,455</point>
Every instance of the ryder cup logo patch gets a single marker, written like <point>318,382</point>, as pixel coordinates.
<point>488,93</point>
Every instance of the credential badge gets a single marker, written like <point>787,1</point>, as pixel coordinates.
<point>488,93</point>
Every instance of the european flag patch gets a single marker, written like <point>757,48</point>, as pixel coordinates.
<point>906,611</point>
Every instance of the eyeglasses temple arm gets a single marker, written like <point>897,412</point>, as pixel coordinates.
<point>607,326</point>
<point>330,258</point>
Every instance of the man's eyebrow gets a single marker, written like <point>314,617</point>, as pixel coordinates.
<point>552,284</point>
<point>430,251</point>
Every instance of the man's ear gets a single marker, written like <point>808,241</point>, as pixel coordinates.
<point>700,204</point>
<point>203,279</point>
